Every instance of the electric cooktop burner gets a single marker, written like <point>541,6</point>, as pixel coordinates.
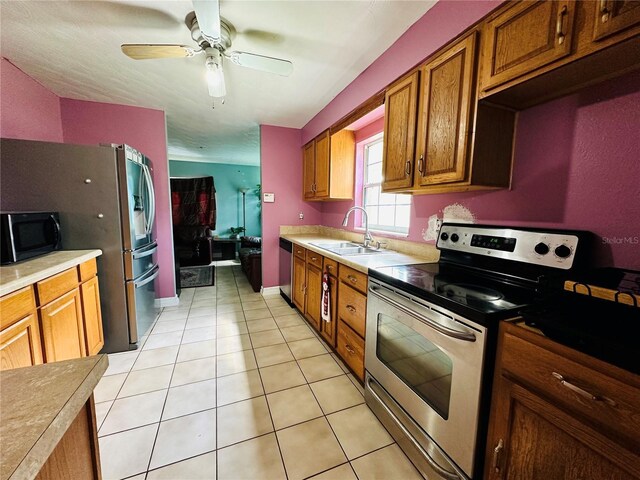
<point>458,289</point>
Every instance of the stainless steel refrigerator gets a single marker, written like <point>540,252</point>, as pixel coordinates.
<point>106,200</point>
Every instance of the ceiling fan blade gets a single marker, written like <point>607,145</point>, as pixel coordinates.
<point>146,52</point>
<point>208,15</point>
<point>260,62</point>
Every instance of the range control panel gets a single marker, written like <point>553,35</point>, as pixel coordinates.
<point>550,249</point>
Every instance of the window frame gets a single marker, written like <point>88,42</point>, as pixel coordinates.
<point>387,229</point>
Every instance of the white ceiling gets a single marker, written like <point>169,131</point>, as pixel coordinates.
<point>73,48</point>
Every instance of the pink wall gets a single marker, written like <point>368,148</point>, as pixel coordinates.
<point>576,166</point>
<point>281,170</point>
<point>91,123</point>
<point>27,109</point>
<point>436,27</point>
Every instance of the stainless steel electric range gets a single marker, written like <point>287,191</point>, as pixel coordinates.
<point>431,330</point>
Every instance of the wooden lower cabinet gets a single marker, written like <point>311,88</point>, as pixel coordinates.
<point>582,425</point>
<point>63,328</point>
<point>77,453</point>
<point>350,347</point>
<point>20,344</point>
<point>313,301</point>
<point>298,281</point>
<point>92,315</point>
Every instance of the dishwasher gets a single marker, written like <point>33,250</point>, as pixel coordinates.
<point>286,270</point>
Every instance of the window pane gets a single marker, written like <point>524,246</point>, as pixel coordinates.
<point>403,199</point>
<point>387,215</point>
<point>372,196</point>
<point>374,152</point>
<point>403,213</point>
<point>373,215</point>
<point>374,173</point>
<point>388,199</point>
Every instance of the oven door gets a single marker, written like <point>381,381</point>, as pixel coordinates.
<point>429,361</point>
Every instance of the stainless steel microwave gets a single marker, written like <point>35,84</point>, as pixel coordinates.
<point>28,234</point>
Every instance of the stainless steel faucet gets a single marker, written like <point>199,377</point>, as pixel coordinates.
<point>368,239</point>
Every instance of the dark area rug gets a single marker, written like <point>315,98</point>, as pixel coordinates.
<point>203,276</point>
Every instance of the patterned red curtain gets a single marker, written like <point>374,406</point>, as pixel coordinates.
<point>193,201</point>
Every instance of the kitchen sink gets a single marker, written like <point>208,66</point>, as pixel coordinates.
<point>348,248</point>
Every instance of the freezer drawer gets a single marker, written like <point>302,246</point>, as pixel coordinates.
<point>141,304</point>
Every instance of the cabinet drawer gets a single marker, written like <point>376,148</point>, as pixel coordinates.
<point>298,251</point>
<point>314,259</point>
<point>351,348</point>
<point>352,308</point>
<point>353,278</point>
<point>16,305</point>
<point>603,401</point>
<point>88,270</point>
<point>56,286</point>
<point>330,266</point>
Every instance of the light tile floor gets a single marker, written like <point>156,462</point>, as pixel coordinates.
<point>234,385</point>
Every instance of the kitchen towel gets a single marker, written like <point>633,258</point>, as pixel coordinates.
<point>326,300</point>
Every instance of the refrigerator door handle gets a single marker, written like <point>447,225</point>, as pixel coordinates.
<point>151,276</point>
<point>152,198</point>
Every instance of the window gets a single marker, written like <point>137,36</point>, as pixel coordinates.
<point>387,212</point>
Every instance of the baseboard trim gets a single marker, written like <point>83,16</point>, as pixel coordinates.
<point>167,302</point>
<point>269,291</point>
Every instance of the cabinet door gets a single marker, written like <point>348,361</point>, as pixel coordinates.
<point>532,439</point>
<point>525,37</point>
<point>613,16</point>
<point>298,285</point>
<point>314,295</point>
<point>401,102</point>
<point>329,328</point>
<point>62,328</point>
<point>309,168</point>
<point>92,316</point>
<point>322,165</point>
<point>444,119</point>
<point>20,344</point>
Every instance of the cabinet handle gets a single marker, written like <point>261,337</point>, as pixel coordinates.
<point>604,10</point>
<point>349,349</point>
<point>496,455</point>
<point>329,267</point>
<point>407,168</point>
<point>314,258</point>
<point>421,164</point>
<point>559,25</point>
<point>351,308</point>
<point>352,279</point>
<point>582,392</point>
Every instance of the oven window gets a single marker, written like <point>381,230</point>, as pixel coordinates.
<point>419,363</point>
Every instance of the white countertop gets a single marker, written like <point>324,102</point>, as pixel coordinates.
<point>362,263</point>
<point>27,272</point>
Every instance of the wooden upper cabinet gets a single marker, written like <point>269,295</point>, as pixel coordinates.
<point>444,118</point>
<point>401,102</point>
<point>62,328</point>
<point>322,165</point>
<point>613,16</point>
<point>329,166</point>
<point>525,37</point>
<point>309,169</point>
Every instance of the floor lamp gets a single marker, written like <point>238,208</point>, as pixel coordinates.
<point>244,209</point>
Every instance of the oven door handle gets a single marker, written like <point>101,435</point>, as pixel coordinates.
<point>465,335</point>
<point>439,470</point>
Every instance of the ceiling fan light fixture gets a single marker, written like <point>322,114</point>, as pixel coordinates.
<point>215,78</point>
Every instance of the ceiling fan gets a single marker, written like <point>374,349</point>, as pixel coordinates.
<point>213,36</point>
